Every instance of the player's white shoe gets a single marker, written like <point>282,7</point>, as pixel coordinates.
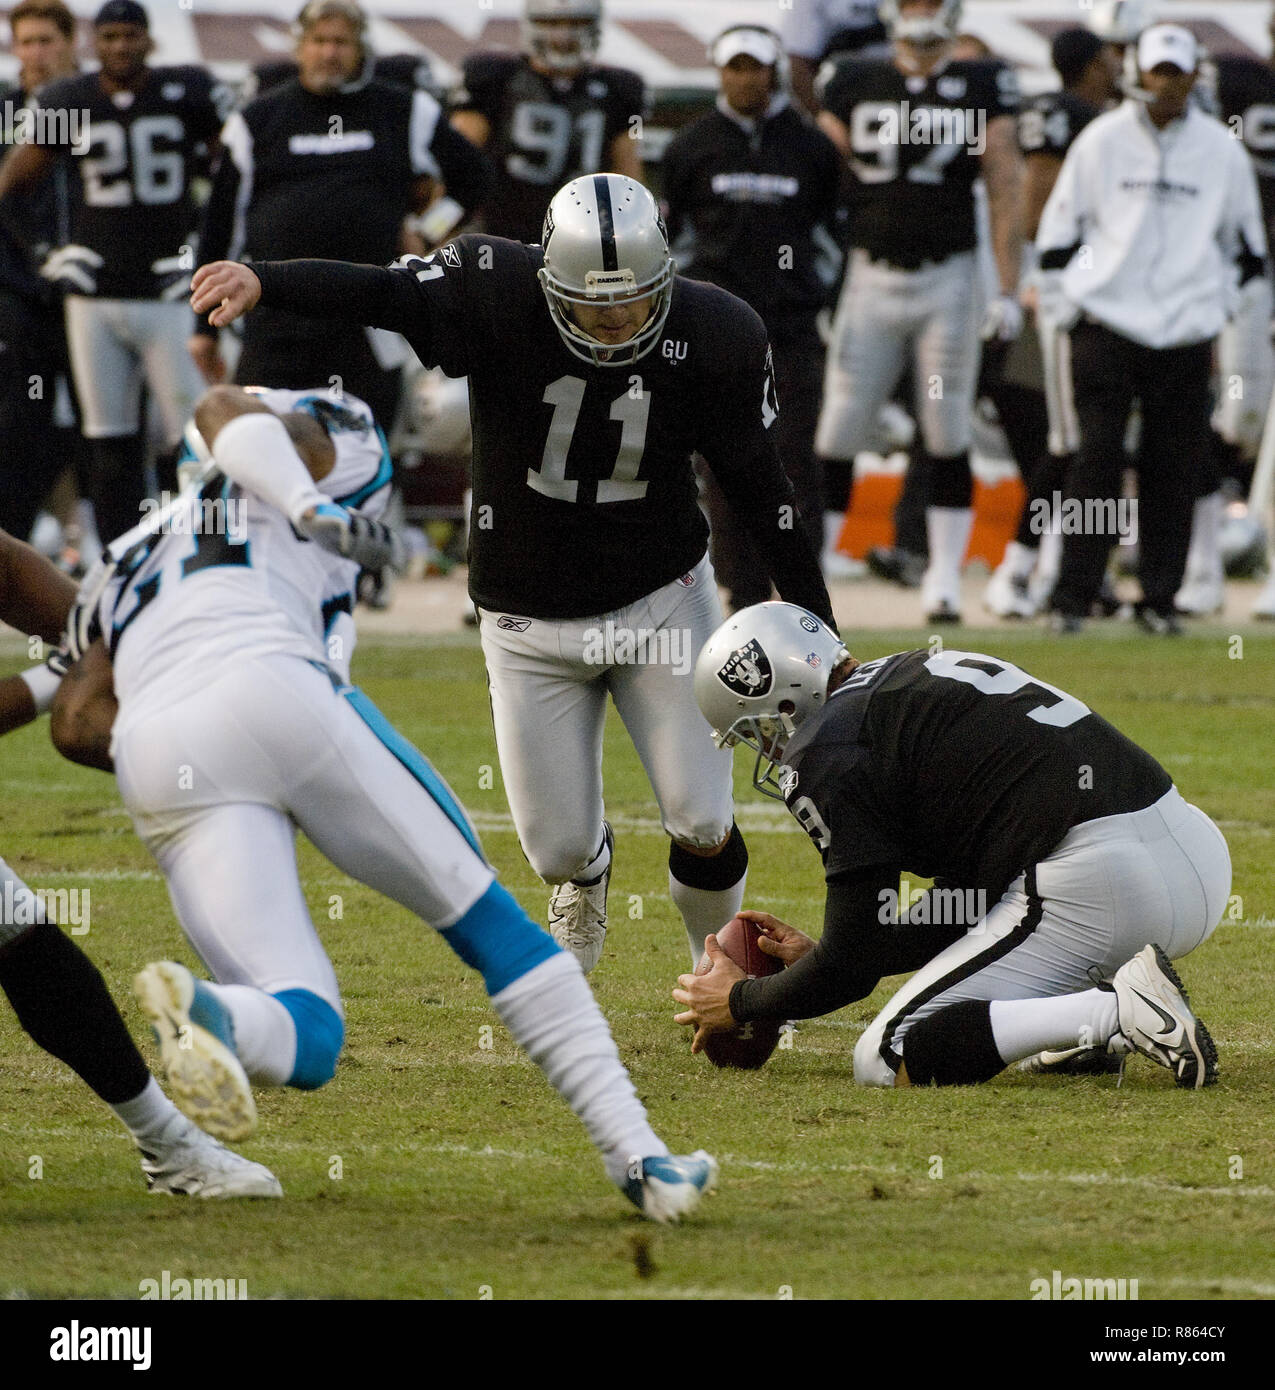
<point>578,913</point>
<point>197,1045</point>
<point>1201,597</point>
<point>1264,608</point>
<point>1155,1019</point>
<point>840,567</point>
<point>668,1188</point>
<point>1008,596</point>
<point>190,1163</point>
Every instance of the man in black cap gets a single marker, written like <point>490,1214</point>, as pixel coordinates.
<point>133,136</point>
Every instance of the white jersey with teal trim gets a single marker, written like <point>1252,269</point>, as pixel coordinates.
<point>229,577</point>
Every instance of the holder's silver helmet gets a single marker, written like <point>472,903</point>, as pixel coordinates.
<point>605,243</point>
<point>936,27</point>
<point>760,676</point>
<point>542,36</point>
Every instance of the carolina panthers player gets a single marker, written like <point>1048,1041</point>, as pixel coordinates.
<point>549,114</point>
<point>221,661</point>
<point>56,991</point>
<point>1025,807</point>
<point>594,374</point>
<point>918,130</point>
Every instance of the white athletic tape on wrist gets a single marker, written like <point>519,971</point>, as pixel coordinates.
<point>43,685</point>
<point>254,451</point>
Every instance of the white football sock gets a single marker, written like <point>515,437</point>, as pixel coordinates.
<point>705,910</point>
<point>265,1035</point>
<point>832,524</point>
<point>596,866</point>
<point>555,1019</point>
<point>1204,558</point>
<point>1018,562</point>
<point>948,531</point>
<point>1023,1027</point>
<point>254,451</point>
<point>148,1114</point>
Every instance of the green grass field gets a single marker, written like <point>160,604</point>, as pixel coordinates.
<point>439,1164</point>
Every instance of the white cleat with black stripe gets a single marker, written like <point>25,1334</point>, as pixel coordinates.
<point>1155,1019</point>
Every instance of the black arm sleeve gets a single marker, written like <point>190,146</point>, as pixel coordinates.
<point>860,945</point>
<point>762,497</point>
<point>366,294</point>
<point>845,964</point>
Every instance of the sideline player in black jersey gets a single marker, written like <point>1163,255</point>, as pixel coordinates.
<point>328,165</point>
<point>149,130</point>
<point>56,991</point>
<point>746,189</point>
<point>918,130</point>
<point>549,114</point>
<point>40,437</point>
<point>1089,70</point>
<point>1023,805</point>
<point>594,374</point>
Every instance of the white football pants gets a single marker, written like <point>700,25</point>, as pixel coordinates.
<point>218,783</point>
<point>1112,886</point>
<point>549,685</point>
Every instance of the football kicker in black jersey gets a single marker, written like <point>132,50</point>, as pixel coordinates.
<point>584,497</point>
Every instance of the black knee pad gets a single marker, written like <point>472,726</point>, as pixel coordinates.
<point>951,482</point>
<point>953,1047</point>
<point>713,872</point>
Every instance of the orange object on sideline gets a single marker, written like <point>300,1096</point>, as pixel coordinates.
<point>997,507</point>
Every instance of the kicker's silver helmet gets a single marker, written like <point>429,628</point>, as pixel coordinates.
<point>605,243</point>
<point>760,676</point>
<point>935,27</point>
<point>543,38</point>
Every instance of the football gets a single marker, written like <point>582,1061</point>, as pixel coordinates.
<point>748,1045</point>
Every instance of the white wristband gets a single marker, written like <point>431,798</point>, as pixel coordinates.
<point>43,685</point>
<point>254,451</point>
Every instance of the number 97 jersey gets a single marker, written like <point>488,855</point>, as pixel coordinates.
<point>959,766</point>
<point>544,131</point>
<point>916,147</point>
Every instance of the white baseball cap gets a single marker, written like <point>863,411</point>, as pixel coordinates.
<point>1167,43</point>
<point>760,44</point>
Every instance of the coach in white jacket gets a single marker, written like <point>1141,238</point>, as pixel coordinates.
<point>1153,224</point>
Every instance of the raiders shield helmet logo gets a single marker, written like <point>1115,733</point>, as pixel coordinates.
<point>748,671</point>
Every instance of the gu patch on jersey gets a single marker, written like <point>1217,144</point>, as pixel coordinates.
<point>748,671</point>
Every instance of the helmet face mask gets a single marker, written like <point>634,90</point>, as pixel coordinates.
<point>562,35</point>
<point>605,244</point>
<point>760,676</point>
<point>937,27</point>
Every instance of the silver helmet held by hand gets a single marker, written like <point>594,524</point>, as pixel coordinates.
<point>605,243</point>
<point>760,676</point>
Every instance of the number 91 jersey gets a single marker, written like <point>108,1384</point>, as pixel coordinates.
<point>131,201</point>
<point>544,131</point>
<point>229,578</point>
<point>916,145</point>
<point>959,766</point>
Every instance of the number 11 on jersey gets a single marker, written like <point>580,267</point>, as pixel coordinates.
<point>566,395</point>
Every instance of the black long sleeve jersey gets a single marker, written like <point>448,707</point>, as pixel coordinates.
<point>584,496</point>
